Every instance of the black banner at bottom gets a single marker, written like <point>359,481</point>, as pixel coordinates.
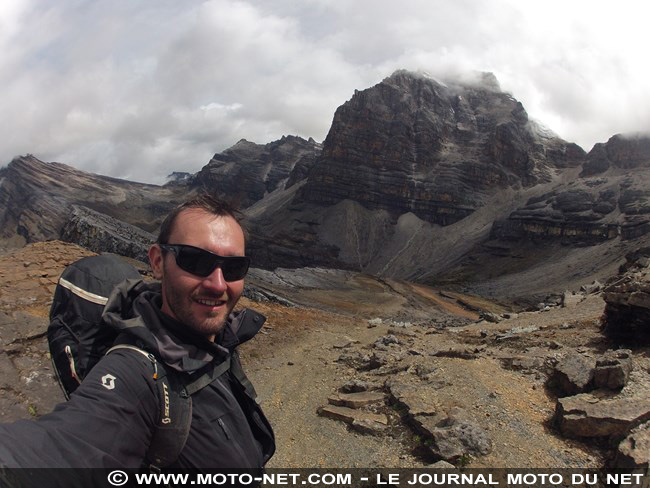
<point>329,478</point>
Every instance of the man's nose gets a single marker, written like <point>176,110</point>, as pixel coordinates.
<point>215,281</point>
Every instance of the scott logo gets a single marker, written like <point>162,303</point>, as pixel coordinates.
<point>108,381</point>
<point>166,419</point>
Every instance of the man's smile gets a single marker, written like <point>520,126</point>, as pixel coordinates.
<point>210,302</point>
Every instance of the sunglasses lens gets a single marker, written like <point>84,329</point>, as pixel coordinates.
<point>234,268</point>
<point>202,263</point>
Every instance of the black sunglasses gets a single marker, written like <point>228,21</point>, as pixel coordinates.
<point>202,263</point>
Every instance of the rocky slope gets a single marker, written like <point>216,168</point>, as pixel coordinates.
<point>37,199</point>
<point>43,201</point>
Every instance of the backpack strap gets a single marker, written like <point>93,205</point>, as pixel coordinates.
<point>208,376</point>
<point>175,413</point>
<point>238,372</point>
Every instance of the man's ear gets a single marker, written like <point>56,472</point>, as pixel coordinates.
<point>156,261</point>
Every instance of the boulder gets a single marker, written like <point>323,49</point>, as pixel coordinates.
<point>387,340</point>
<point>573,374</point>
<point>363,361</point>
<point>414,399</point>
<point>452,437</point>
<point>634,450</point>
<point>490,317</point>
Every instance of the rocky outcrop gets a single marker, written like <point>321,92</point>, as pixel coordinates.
<point>576,373</point>
<point>101,233</point>
<point>246,172</point>
<point>571,214</point>
<point>413,144</point>
<point>620,151</point>
<point>627,298</point>
<point>573,374</point>
<point>634,450</point>
<point>454,437</point>
<point>591,209</point>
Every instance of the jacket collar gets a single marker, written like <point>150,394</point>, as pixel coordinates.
<point>134,309</point>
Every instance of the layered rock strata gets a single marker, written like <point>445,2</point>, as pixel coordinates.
<point>592,208</point>
<point>101,233</point>
<point>36,199</point>
<point>627,298</point>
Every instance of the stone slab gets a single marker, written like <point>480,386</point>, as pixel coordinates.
<point>356,400</point>
<point>586,415</point>
<point>350,415</point>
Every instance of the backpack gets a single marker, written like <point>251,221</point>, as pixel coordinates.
<point>78,339</point>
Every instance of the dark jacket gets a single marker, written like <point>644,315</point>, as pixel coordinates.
<point>109,419</point>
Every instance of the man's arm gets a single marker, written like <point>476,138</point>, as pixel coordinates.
<point>107,422</point>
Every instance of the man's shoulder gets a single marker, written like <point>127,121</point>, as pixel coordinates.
<point>121,372</point>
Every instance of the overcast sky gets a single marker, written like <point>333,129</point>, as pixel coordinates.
<point>138,89</point>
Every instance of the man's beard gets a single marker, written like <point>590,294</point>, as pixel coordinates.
<point>186,311</point>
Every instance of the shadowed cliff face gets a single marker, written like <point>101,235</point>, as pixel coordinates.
<point>411,144</point>
<point>246,172</point>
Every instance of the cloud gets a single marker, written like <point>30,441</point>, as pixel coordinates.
<point>141,89</point>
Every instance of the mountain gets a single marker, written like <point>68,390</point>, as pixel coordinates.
<point>246,172</point>
<point>411,176</point>
<point>413,144</point>
<point>38,200</point>
<point>446,183</point>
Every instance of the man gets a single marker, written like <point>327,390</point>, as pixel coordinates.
<point>186,322</point>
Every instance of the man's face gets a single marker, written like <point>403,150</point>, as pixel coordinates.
<point>201,303</point>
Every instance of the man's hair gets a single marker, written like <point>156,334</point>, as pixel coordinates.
<point>210,204</point>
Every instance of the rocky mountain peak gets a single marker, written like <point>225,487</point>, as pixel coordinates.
<point>414,144</point>
<point>623,151</point>
<point>247,172</point>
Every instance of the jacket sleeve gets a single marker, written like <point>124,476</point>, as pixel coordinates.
<point>107,423</point>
